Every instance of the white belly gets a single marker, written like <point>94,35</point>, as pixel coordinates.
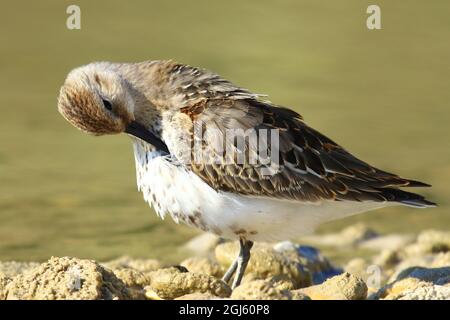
<point>173,190</point>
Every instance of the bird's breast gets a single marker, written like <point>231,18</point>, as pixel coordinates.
<point>172,189</point>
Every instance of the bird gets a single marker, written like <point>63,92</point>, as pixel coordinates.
<point>215,156</point>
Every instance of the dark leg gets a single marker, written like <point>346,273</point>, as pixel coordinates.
<point>242,261</point>
<point>230,272</point>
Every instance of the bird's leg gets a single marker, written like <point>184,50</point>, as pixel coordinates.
<point>231,270</point>
<point>242,261</point>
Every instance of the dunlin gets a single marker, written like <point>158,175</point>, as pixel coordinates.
<point>185,124</point>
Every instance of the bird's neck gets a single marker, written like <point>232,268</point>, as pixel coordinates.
<point>149,90</point>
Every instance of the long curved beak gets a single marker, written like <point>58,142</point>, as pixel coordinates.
<point>138,130</point>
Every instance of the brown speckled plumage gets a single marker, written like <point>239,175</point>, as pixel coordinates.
<point>312,167</point>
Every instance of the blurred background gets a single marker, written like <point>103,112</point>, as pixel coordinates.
<point>382,94</point>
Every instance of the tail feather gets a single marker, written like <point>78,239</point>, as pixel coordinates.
<point>407,198</point>
<point>414,183</point>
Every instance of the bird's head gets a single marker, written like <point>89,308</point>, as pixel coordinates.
<point>96,100</point>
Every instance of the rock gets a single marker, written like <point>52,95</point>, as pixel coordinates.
<point>425,274</point>
<point>427,260</point>
<point>357,267</point>
<point>418,283</point>
<point>281,282</point>
<point>3,282</point>
<point>444,281</point>
<point>433,292</point>
<point>435,237</point>
<point>428,242</point>
<point>350,236</point>
<point>67,278</point>
<point>441,260</point>
<point>412,289</point>
<point>317,264</point>
<point>203,265</point>
<point>388,242</point>
<point>387,259</point>
<point>285,246</point>
<point>341,287</point>
<point>386,262</point>
<point>143,265</point>
<point>13,268</point>
<point>199,296</point>
<point>151,294</point>
<point>135,281</point>
<point>357,233</point>
<point>373,275</point>
<point>203,244</point>
<point>421,249</point>
<point>395,289</point>
<point>265,262</point>
<point>297,295</point>
<point>171,283</point>
<point>263,290</point>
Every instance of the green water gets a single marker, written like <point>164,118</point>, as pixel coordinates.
<point>382,94</point>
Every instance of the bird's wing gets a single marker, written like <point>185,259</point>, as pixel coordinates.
<point>311,166</point>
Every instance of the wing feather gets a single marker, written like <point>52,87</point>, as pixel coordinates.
<point>312,167</point>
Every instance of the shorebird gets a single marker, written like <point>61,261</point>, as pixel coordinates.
<point>162,104</point>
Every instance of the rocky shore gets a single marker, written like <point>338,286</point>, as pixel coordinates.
<point>400,267</point>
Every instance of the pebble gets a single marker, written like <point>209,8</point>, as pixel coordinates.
<point>264,290</point>
<point>67,278</point>
<point>203,265</point>
<point>171,283</point>
<point>342,287</point>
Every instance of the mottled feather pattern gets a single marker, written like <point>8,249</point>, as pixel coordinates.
<point>312,166</point>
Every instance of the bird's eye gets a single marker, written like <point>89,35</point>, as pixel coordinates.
<point>107,104</point>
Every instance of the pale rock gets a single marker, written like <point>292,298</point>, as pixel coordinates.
<point>350,236</point>
<point>434,292</point>
<point>388,242</point>
<point>67,278</point>
<point>357,267</point>
<point>427,260</point>
<point>203,244</point>
<point>281,282</point>
<point>263,290</point>
<point>3,282</point>
<point>171,283</point>
<point>320,267</point>
<point>429,242</point>
<point>126,262</point>
<point>387,259</point>
<point>432,275</point>
<point>135,281</point>
<point>203,265</point>
<point>435,237</point>
<point>199,296</point>
<point>417,283</point>
<point>342,287</point>
<point>13,268</point>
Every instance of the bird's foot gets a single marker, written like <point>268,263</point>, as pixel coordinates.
<point>239,264</point>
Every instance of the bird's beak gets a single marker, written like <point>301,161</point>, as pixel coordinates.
<point>138,130</point>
